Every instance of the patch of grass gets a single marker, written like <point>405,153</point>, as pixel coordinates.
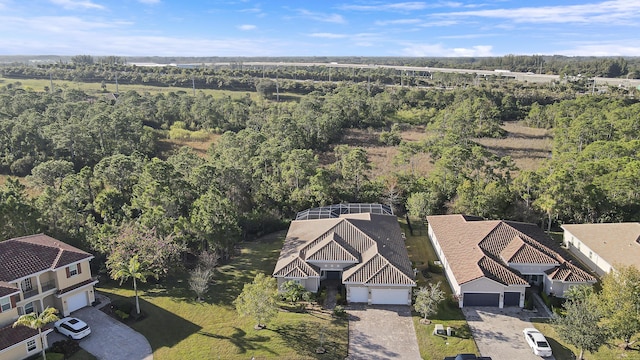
<point>94,88</point>
<point>178,327</point>
<point>431,346</point>
<point>564,351</point>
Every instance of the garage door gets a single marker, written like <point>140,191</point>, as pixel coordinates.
<point>77,301</point>
<point>358,294</point>
<point>390,296</point>
<point>481,299</point>
<point>511,299</point>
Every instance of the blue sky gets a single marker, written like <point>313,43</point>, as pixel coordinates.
<point>319,28</point>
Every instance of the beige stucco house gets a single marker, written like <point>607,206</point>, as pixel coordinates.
<point>360,245</point>
<point>602,247</point>
<point>492,262</point>
<point>37,272</point>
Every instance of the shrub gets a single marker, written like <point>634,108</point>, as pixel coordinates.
<point>122,305</point>
<point>122,315</point>
<point>65,347</point>
<point>436,269</point>
<point>339,312</point>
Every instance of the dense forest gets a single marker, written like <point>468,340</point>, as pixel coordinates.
<point>94,163</point>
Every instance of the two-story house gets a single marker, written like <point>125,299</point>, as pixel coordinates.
<point>37,272</point>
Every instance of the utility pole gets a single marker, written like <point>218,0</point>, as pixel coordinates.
<point>193,83</point>
<point>51,83</point>
<point>116,83</point>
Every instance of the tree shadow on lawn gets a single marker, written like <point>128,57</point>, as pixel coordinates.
<point>304,338</point>
<point>161,328</point>
<point>243,343</point>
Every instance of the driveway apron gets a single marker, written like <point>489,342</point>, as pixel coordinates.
<point>110,339</point>
<point>498,332</point>
<point>382,332</point>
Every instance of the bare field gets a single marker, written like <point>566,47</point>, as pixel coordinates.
<point>168,146</point>
<point>528,147</point>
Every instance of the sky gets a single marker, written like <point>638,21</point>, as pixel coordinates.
<point>319,28</point>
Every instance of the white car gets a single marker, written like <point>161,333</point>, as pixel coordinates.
<point>537,341</point>
<point>73,328</point>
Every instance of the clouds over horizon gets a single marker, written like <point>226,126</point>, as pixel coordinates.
<point>289,28</point>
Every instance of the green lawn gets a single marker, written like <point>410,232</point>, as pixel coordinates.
<point>431,346</point>
<point>178,327</point>
<point>563,351</point>
<point>95,88</point>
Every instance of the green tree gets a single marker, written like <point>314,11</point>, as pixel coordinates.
<point>259,300</point>
<point>18,215</point>
<point>579,326</point>
<point>135,270</point>
<point>51,173</point>
<point>428,299</point>
<point>37,322</point>
<point>620,303</point>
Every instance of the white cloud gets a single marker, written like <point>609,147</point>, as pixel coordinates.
<point>332,18</point>
<point>247,27</point>
<point>440,50</point>
<point>328,35</point>
<point>616,11</point>
<point>602,49</point>
<point>403,6</point>
<point>398,22</point>
<point>149,2</point>
<point>78,4</point>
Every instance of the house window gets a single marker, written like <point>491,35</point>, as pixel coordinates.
<point>28,308</point>
<point>31,345</point>
<point>73,270</point>
<point>27,285</point>
<point>5,304</point>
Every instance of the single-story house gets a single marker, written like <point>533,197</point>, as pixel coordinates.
<point>359,245</point>
<point>37,272</point>
<point>492,262</point>
<point>601,247</point>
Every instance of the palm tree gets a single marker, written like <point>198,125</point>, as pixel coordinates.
<point>135,270</point>
<point>37,322</point>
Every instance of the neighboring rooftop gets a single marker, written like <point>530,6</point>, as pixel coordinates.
<point>478,248</point>
<point>27,255</point>
<point>616,243</point>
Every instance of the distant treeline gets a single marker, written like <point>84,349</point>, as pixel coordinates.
<point>558,65</point>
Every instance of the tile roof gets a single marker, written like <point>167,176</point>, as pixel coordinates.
<point>477,248</point>
<point>7,289</point>
<point>10,336</point>
<point>28,255</point>
<point>372,242</point>
<point>616,243</point>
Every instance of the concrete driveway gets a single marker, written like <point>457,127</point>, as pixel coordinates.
<point>109,339</point>
<point>498,332</point>
<point>382,332</point>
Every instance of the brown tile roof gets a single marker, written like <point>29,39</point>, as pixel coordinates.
<point>478,248</point>
<point>10,336</point>
<point>27,255</point>
<point>77,286</point>
<point>616,243</point>
<point>7,289</point>
<point>373,242</point>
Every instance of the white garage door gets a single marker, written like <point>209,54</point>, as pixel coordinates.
<point>358,294</point>
<point>77,301</point>
<point>390,296</point>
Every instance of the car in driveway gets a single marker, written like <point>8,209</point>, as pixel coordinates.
<point>537,342</point>
<point>73,328</point>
